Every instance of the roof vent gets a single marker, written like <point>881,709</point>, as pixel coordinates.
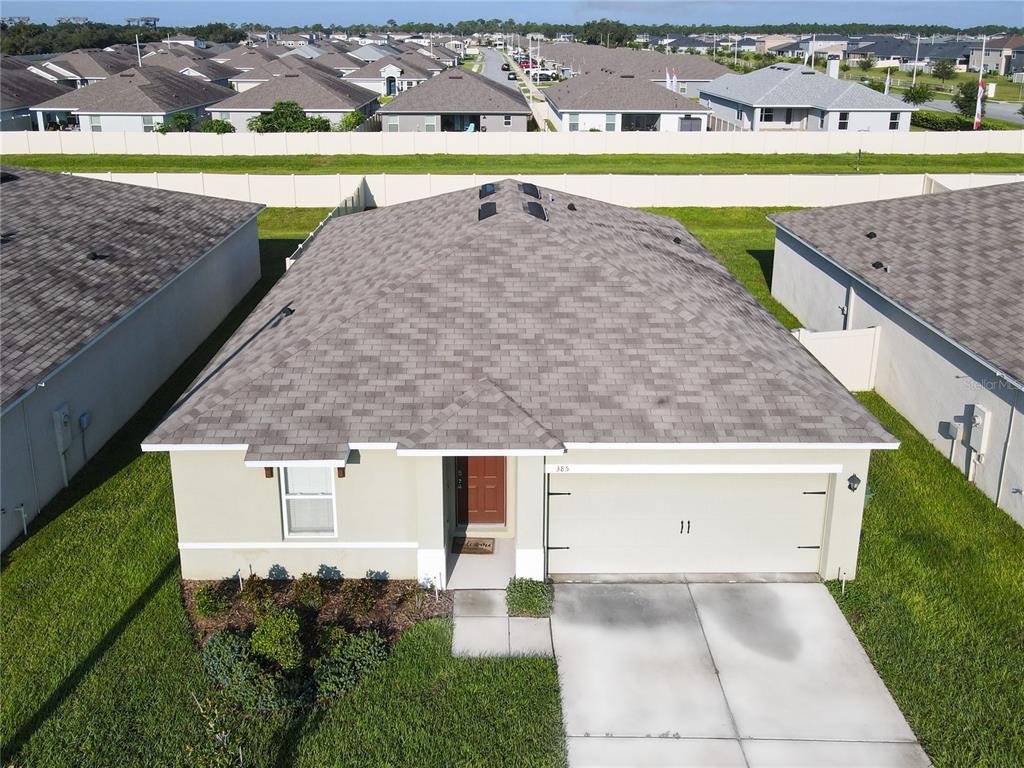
<point>870,235</point>
<point>6,237</point>
<point>456,77</point>
<point>530,189</point>
<point>6,176</point>
<point>677,240</point>
<point>879,265</point>
<point>486,211</point>
<point>536,210</point>
<point>95,256</point>
<point>627,77</point>
<point>571,206</point>
<point>487,190</point>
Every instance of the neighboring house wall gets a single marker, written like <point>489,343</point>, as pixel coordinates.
<point>752,118</point>
<point>111,379</point>
<point>113,123</point>
<point>601,121</point>
<point>931,381</point>
<point>19,119</point>
<point>420,123</point>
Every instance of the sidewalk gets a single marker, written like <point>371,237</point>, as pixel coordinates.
<point>484,628</point>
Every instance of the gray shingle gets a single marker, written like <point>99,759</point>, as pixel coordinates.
<point>460,91</point>
<point>956,260</point>
<point>21,88</point>
<point>307,86</point>
<point>618,93</point>
<point>421,325</point>
<point>53,298</point>
<point>146,89</point>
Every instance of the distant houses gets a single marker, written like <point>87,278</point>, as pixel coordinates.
<point>391,75</point>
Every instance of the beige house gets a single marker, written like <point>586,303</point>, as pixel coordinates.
<point>583,385</point>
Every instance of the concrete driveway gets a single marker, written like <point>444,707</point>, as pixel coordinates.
<point>714,674</point>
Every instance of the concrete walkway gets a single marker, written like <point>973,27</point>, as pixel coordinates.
<point>484,628</point>
<point>699,674</point>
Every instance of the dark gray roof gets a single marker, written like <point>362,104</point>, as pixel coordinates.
<point>414,66</point>
<point>244,57</point>
<point>140,90</point>
<point>462,91</point>
<point>178,60</point>
<point>21,88</point>
<point>956,261</point>
<point>92,63</point>
<point>308,87</point>
<point>618,93</point>
<point>53,298</point>
<point>421,325</point>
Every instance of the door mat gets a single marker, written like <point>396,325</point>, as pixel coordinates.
<point>472,546</point>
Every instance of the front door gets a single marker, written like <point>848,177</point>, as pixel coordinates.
<point>480,490</point>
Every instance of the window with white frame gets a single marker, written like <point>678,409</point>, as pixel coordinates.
<point>768,115</point>
<point>307,501</point>
<point>844,121</point>
<point>96,123</point>
<point>508,120</point>
<point>574,121</point>
<point>609,122</point>
<point>894,121</point>
<point>430,123</point>
<point>391,123</point>
<point>148,123</point>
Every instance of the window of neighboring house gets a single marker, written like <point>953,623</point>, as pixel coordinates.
<point>508,120</point>
<point>391,122</point>
<point>821,120</point>
<point>409,84</point>
<point>682,87</point>
<point>307,501</point>
<point>768,115</point>
<point>894,121</point>
<point>430,123</point>
<point>844,121</point>
<point>739,113</point>
<point>574,121</point>
<point>148,123</point>
<point>609,122</point>
<point>95,123</point>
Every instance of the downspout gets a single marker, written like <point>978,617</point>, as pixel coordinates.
<point>547,516</point>
<point>31,459</point>
<point>1006,445</point>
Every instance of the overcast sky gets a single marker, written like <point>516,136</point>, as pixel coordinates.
<point>957,13</point>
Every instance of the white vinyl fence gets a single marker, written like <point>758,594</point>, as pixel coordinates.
<point>498,143</point>
<point>851,356</point>
<point>354,192</point>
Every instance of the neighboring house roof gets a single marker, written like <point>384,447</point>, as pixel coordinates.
<point>277,66</point>
<point>54,298</point>
<point>244,57</point>
<point>20,88</point>
<point>419,324</point>
<point>908,49</point>
<point>459,91</point>
<point>417,68</point>
<point>999,43</point>
<point>951,262</point>
<point>141,90</point>
<point>92,63</point>
<point>792,85</point>
<point>178,61</point>
<point>310,88</point>
<point>600,92</point>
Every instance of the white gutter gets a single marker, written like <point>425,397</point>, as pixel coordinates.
<point>117,323</point>
<point>693,469</point>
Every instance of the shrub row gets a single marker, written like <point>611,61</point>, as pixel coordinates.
<point>949,121</point>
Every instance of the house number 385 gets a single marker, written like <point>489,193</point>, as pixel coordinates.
<point>684,526</point>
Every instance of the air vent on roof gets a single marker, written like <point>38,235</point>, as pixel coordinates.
<point>487,190</point>
<point>6,237</point>
<point>95,256</point>
<point>571,206</point>
<point>530,189</point>
<point>627,77</point>
<point>536,210</point>
<point>677,240</point>
<point>486,211</point>
<point>870,235</point>
<point>5,176</point>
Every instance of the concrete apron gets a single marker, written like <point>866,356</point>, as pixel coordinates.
<point>751,674</point>
<point>482,627</point>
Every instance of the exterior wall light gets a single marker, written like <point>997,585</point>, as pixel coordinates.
<point>853,482</point>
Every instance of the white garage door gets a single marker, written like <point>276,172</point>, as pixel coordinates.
<point>614,523</point>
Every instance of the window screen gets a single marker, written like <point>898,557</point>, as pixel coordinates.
<point>307,496</point>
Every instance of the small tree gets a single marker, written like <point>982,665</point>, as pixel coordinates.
<point>217,126</point>
<point>918,94</point>
<point>285,117</point>
<point>844,66</point>
<point>965,99</point>
<point>866,63</point>
<point>351,121</point>
<point>317,124</point>
<point>944,69</point>
<point>180,122</point>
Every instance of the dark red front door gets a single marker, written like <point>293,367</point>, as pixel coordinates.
<point>480,489</point>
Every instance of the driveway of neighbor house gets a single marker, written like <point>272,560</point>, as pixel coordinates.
<point>724,674</point>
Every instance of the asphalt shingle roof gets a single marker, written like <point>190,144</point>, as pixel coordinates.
<point>146,89</point>
<point>618,93</point>
<point>307,86</point>
<point>53,298</point>
<point>92,63</point>
<point>462,91</point>
<point>413,66</point>
<point>420,324</point>
<point>21,88</point>
<point>793,85</point>
<point>956,261</point>
<point>178,60</point>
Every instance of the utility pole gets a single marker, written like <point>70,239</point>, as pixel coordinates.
<point>917,59</point>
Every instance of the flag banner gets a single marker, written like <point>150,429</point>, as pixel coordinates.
<point>977,108</point>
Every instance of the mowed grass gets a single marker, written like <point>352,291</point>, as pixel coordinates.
<point>744,241</point>
<point>938,602</point>
<point>99,666</point>
<point>536,163</point>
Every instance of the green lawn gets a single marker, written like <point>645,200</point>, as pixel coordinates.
<point>99,666</point>
<point>510,164</point>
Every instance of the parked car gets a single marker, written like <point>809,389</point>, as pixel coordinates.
<point>511,75</point>
<point>505,67</point>
<point>544,77</point>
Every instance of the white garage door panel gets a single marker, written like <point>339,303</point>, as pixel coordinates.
<point>686,523</point>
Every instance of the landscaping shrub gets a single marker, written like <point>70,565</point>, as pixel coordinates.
<point>257,594</point>
<point>211,600</point>
<point>276,638</point>
<point>361,595</point>
<point>308,592</point>
<point>227,658</point>
<point>347,657</point>
<point>528,597</point>
<point>934,120</point>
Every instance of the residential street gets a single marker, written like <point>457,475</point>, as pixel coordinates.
<point>492,67</point>
<point>1001,110</point>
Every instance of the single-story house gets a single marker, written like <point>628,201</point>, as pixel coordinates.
<point>943,281</point>
<point>244,81</point>
<point>602,102</point>
<point>316,93</point>
<point>794,97</point>
<point>375,51</point>
<point>685,43</point>
<point>457,100</point>
<point>583,384</point>
<point>243,58</point>
<point>686,73</point>
<point>391,75</point>
<point>194,66</point>
<point>909,55</point>
<point>329,58</point>
<point>137,99</point>
<point>83,66</point>
<point>20,89</point>
<point>107,289</point>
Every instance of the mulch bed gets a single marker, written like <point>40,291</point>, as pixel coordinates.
<point>391,607</point>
